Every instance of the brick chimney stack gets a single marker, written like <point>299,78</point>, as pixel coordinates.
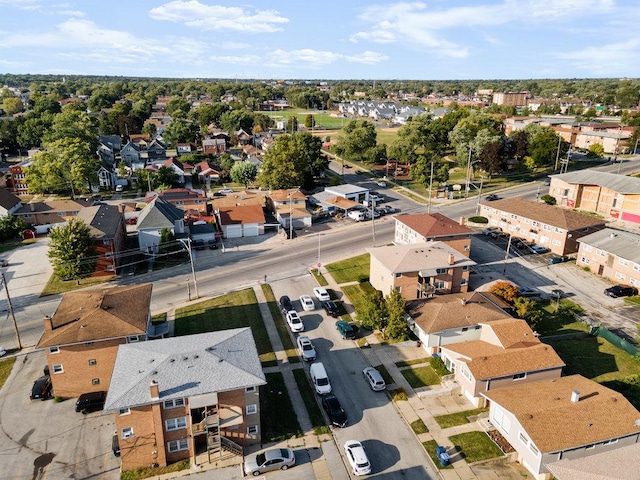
<point>154,390</point>
<point>48,323</point>
<point>452,259</point>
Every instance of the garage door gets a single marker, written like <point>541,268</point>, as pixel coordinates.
<point>234,231</point>
<point>251,231</point>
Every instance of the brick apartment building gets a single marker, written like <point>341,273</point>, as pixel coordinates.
<point>425,227</point>
<point>81,339</point>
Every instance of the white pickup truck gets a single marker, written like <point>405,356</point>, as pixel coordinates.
<point>357,215</point>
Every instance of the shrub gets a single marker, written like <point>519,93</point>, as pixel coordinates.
<point>548,199</point>
<point>479,219</point>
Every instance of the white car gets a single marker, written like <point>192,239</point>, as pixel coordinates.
<point>307,350</point>
<point>294,321</point>
<point>381,183</point>
<point>3,351</point>
<point>357,457</point>
<point>307,303</point>
<point>321,294</point>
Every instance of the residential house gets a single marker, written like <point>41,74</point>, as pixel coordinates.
<point>113,142</point>
<point>156,150</point>
<point>51,212</point>
<point>612,254</point>
<point>18,173</point>
<point>184,148</point>
<point>331,203</point>
<point>616,197</point>
<point>426,227</point>
<point>289,208</point>
<point>556,228</point>
<point>207,173</point>
<point>106,177</point>
<point>107,155</point>
<point>608,464</point>
<point>81,339</point>
<point>562,418</point>
<point>9,203</point>
<point>157,215</point>
<point>350,192</point>
<point>448,319</point>
<point>109,233</point>
<point>241,220</point>
<point>186,397</point>
<point>189,201</point>
<point>243,137</point>
<point>130,154</point>
<point>214,146</point>
<point>613,141</point>
<point>176,167</point>
<point>507,351</point>
<point>419,270</point>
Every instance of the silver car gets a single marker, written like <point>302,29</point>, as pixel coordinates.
<point>273,459</point>
<point>307,350</point>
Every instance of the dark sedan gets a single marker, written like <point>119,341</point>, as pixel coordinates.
<point>559,259</point>
<point>334,410</point>
<point>621,291</point>
<point>42,388</point>
<point>331,308</point>
<point>285,304</point>
<point>492,197</point>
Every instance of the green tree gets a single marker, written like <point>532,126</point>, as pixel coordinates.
<point>548,199</point>
<point>178,107</point>
<point>290,160</point>
<point>165,176</point>
<point>358,141</point>
<point>73,124</point>
<point>309,121</point>
<point>12,105</point>
<point>71,250</point>
<point>543,145</point>
<point>292,124</point>
<point>396,328</point>
<point>181,130</point>
<point>244,173</point>
<point>167,242</point>
<point>493,157</point>
<point>506,290</point>
<point>11,227</point>
<point>463,136</point>
<point>31,131</point>
<point>373,313</point>
<point>529,310</point>
<point>595,151</point>
<point>150,129</point>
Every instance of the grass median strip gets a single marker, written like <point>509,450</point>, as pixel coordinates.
<point>459,418</point>
<point>315,414</point>
<point>421,376</point>
<point>277,417</point>
<point>283,331</point>
<point>475,446</point>
<point>233,310</point>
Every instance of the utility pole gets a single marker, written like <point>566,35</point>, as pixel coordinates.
<point>466,193</point>
<point>13,317</point>
<point>373,220</point>
<point>187,245</point>
<point>558,153</point>
<point>430,188</point>
<point>479,195</point>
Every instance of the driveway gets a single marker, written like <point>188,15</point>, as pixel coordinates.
<point>45,439</point>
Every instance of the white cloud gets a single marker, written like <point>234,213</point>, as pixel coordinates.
<point>192,13</point>
<point>605,59</point>
<point>236,45</point>
<point>369,58</point>
<point>72,13</point>
<point>21,4</point>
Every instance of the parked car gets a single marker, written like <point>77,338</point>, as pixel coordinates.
<point>307,350</point>
<point>381,184</point>
<point>539,249</point>
<point>3,351</point>
<point>376,382</point>
<point>499,235</point>
<point>307,303</point>
<point>90,402</point>
<point>119,188</point>
<point>522,244</point>
<point>285,304</point>
<point>42,388</point>
<point>559,259</point>
<point>319,378</point>
<point>489,230</point>
<point>389,209</point>
<point>213,245</point>
<point>272,459</point>
<point>331,308</point>
<point>529,292</point>
<point>198,244</point>
<point>335,412</point>
<point>547,181</point>
<point>492,197</point>
<point>225,191</point>
<point>294,321</point>
<point>115,445</point>
<point>346,330</point>
<point>4,262</point>
<point>621,291</point>
<point>321,294</point>
<point>357,457</point>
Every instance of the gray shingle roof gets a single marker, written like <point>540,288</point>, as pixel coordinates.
<point>159,213</point>
<point>184,366</point>
<point>103,220</point>
<point>419,256</point>
<point>613,181</point>
<point>623,244</point>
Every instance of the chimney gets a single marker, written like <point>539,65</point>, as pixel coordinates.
<point>154,390</point>
<point>575,396</point>
<point>462,220</point>
<point>48,323</point>
<point>451,259</point>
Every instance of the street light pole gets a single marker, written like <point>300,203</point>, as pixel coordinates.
<point>187,245</point>
<point>373,221</point>
<point>479,196</point>
<point>15,324</point>
<point>291,215</point>
<point>318,264</point>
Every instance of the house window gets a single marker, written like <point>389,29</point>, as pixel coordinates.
<point>124,411</point>
<point>127,432</point>
<point>623,261</point>
<point>135,338</point>
<point>523,438</point>
<point>636,267</point>
<point>464,329</point>
<point>437,285</point>
<point>524,220</point>
<point>558,230</point>
<point>547,227</point>
<point>535,224</point>
<point>252,430</point>
<point>520,376</point>
<point>95,381</point>
<point>599,252</point>
<point>58,368</point>
<point>514,216</point>
<point>250,389</point>
<point>465,267</point>
<point>584,260</point>
<point>54,349</point>
<point>634,281</point>
<point>251,409</point>
<point>175,423</point>
<point>399,289</point>
<point>441,271</point>
<point>533,449</point>
<point>178,445</point>
<point>92,362</point>
<point>587,248</point>
<point>620,276</point>
<point>398,275</point>
<point>466,248</point>
<point>555,242</point>
<point>177,402</point>
<point>463,281</point>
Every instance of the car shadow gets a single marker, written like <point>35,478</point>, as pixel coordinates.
<point>381,462</point>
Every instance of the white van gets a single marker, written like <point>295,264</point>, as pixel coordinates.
<point>319,378</point>
<point>357,215</point>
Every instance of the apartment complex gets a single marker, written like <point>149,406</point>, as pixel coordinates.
<point>425,227</point>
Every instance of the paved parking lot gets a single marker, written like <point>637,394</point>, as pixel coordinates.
<point>45,439</point>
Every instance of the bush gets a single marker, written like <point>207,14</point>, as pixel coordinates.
<point>548,199</point>
<point>479,219</point>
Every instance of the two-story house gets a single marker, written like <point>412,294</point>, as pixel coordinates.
<point>426,227</point>
<point>290,208</point>
<point>556,228</point>
<point>190,201</point>
<point>420,270</point>
<point>108,232</point>
<point>81,339</point>
<point>18,172</point>
<point>9,203</point>
<point>158,214</point>
<point>185,397</point>
<point>130,154</point>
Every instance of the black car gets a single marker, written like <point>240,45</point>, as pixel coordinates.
<point>42,388</point>
<point>492,197</point>
<point>559,259</point>
<point>199,245</point>
<point>285,304</point>
<point>621,291</point>
<point>334,410</point>
<point>213,245</point>
<point>331,308</point>
<point>91,402</point>
<point>115,445</point>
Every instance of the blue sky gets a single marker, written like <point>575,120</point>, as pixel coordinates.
<point>348,39</point>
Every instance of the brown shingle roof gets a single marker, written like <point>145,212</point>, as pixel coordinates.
<point>433,225</point>
<point>244,197</point>
<point>553,422</point>
<point>283,195</point>
<point>99,314</point>
<point>543,213</point>
<point>513,332</point>
<point>242,214</point>
<point>448,311</point>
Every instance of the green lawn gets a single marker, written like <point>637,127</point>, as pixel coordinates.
<point>56,286</point>
<point>430,447</point>
<point>476,446</point>
<point>354,269</point>
<point>408,363</point>
<point>283,331</point>
<point>276,412</point>
<point>319,277</point>
<point>146,472</point>
<point>459,418</point>
<point>357,294</point>
<point>421,376</point>
<point>419,427</point>
<point>315,414</point>
<point>6,366</point>
<point>233,310</point>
